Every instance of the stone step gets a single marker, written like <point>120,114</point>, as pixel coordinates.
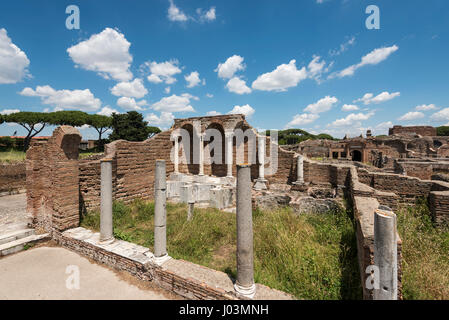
<point>18,245</point>
<point>10,227</point>
<point>15,235</point>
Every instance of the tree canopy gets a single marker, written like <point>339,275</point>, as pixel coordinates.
<point>294,136</point>
<point>130,126</point>
<point>443,131</point>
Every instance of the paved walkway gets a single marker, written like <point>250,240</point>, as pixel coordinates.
<point>40,273</point>
<point>13,209</point>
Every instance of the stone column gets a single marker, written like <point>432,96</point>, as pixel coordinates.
<point>106,227</point>
<point>201,173</point>
<point>229,135</point>
<point>386,254</point>
<point>261,181</point>
<point>300,170</point>
<point>176,155</point>
<point>160,213</point>
<point>244,284</point>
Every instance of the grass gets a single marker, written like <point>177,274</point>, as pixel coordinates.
<point>84,155</point>
<point>425,254</point>
<point>12,156</point>
<point>309,256</point>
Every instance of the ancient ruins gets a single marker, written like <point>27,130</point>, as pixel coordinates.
<point>201,156</point>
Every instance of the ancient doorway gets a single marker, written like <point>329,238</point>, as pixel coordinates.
<point>356,156</point>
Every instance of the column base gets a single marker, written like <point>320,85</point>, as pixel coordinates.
<point>261,184</point>
<point>106,241</point>
<point>161,260</point>
<point>298,183</point>
<point>248,292</point>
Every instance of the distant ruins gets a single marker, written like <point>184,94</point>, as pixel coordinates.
<point>315,175</point>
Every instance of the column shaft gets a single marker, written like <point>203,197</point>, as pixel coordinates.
<point>229,137</point>
<point>176,155</point>
<point>160,214</point>
<point>300,169</point>
<point>106,226</point>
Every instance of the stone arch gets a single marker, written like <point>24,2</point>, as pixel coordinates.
<point>186,144</point>
<point>215,149</point>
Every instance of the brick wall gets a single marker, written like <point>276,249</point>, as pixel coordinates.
<point>421,130</point>
<point>12,177</point>
<point>52,176</point>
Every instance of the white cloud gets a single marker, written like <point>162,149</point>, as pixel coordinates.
<point>302,119</point>
<point>133,89</point>
<point>412,115</point>
<point>209,95</point>
<point>247,110</point>
<point>82,100</point>
<point>163,72</point>
<point>107,111</point>
<point>227,69</point>
<point>9,111</point>
<point>13,61</point>
<point>175,103</point>
<point>175,14</point>
<point>384,125</point>
<point>352,119</point>
<point>343,47</point>
<point>213,113</point>
<point>316,68</point>
<point>349,107</point>
<point>374,57</point>
<point>167,90</point>
<point>106,53</point>
<point>238,86</point>
<point>425,107</point>
<point>193,79</point>
<point>369,98</point>
<point>208,16</point>
<point>322,105</point>
<point>164,120</point>
<point>442,115</point>
<point>131,104</point>
<point>280,79</point>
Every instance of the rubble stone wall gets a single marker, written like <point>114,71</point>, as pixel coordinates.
<point>12,177</point>
<point>421,130</point>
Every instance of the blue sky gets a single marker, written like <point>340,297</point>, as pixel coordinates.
<point>308,64</point>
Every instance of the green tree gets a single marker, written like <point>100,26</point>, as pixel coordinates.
<point>152,131</point>
<point>33,122</point>
<point>130,126</point>
<point>101,124</point>
<point>443,131</point>
<point>2,118</point>
<point>69,118</point>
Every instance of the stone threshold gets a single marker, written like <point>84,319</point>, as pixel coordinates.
<point>181,277</point>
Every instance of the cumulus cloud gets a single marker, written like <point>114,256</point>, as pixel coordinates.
<point>369,98</point>
<point>193,79</point>
<point>412,115</point>
<point>316,68</point>
<point>213,113</point>
<point>280,79</point>
<point>107,111</point>
<point>227,69</point>
<point>164,120</point>
<point>349,107</point>
<point>175,14</point>
<point>302,119</point>
<point>131,104</point>
<point>426,107</point>
<point>175,103</point>
<point>442,115</point>
<point>322,105</point>
<point>238,86</point>
<point>133,89</point>
<point>106,53</point>
<point>374,57</point>
<point>163,72</point>
<point>13,61</point>
<point>247,110</point>
<point>352,119</point>
<point>9,111</point>
<point>207,16</point>
<point>82,100</point>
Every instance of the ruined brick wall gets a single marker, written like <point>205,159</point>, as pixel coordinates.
<point>423,170</point>
<point>52,176</point>
<point>439,207</point>
<point>421,130</point>
<point>12,177</point>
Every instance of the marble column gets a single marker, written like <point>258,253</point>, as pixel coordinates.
<point>201,157</point>
<point>106,225</point>
<point>261,182</point>
<point>229,135</point>
<point>160,213</point>
<point>176,155</point>
<point>300,170</point>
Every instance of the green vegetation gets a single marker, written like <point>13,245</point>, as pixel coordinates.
<point>443,131</point>
<point>12,156</point>
<point>425,255</point>
<point>131,126</point>
<point>294,136</point>
<point>309,256</point>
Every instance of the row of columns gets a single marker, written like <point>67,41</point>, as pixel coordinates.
<point>244,284</point>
